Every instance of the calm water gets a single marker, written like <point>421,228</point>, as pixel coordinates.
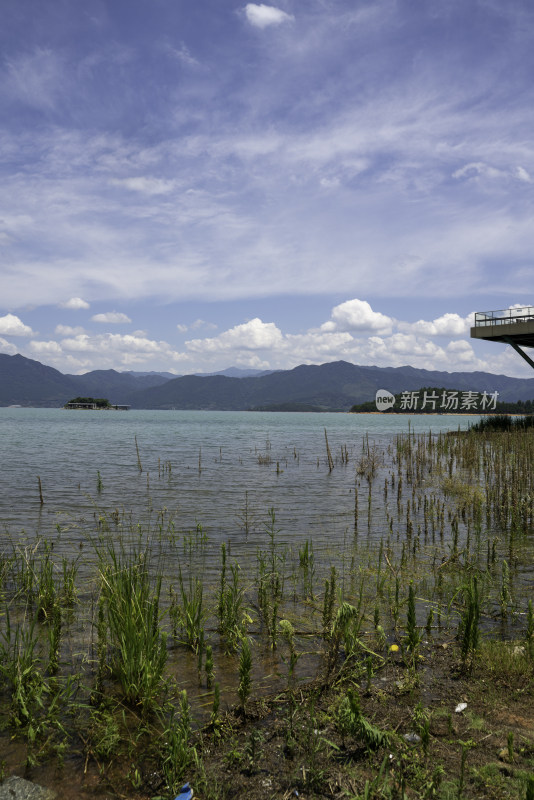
<point>68,449</point>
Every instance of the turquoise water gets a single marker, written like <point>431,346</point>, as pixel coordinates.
<point>67,450</point>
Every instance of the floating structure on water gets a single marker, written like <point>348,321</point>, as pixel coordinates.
<point>92,404</point>
<point>513,326</point>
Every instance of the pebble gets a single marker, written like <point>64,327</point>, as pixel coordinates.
<point>15,788</point>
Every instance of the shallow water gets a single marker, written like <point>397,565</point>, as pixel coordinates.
<point>66,449</point>
<point>199,479</point>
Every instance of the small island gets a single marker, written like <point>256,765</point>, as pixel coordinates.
<point>94,404</point>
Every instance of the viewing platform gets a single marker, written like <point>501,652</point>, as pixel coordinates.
<point>514,326</point>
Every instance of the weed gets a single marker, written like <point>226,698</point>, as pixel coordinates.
<point>245,669</point>
<point>468,631</point>
<point>208,666</point>
<point>352,722</point>
<point>176,752</point>
<point>190,616</point>
<point>413,635</point>
<point>136,647</point>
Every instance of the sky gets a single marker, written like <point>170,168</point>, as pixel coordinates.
<point>188,186</point>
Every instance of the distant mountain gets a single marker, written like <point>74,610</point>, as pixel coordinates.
<point>230,372</point>
<point>167,375</point>
<point>335,386</point>
<point>29,383</point>
<point>114,385</point>
<point>235,372</point>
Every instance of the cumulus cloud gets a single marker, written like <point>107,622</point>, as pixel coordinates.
<point>68,330</point>
<point>83,351</point>
<point>357,315</point>
<point>262,16</point>
<point>446,325</point>
<point>355,333</point>
<point>112,317</point>
<point>10,325</point>
<point>461,352</point>
<point>50,348</point>
<point>7,348</point>
<point>75,304</point>
<point>252,335</point>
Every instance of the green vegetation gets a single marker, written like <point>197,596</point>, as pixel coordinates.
<point>503,423</point>
<point>98,402</point>
<point>395,664</point>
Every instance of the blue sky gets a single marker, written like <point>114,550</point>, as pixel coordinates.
<point>187,186</point>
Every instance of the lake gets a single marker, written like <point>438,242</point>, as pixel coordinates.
<point>67,449</point>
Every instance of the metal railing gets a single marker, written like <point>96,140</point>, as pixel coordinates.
<point>504,317</point>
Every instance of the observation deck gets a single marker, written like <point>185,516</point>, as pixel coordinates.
<point>513,326</point>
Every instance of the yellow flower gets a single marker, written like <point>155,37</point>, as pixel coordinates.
<point>394,648</point>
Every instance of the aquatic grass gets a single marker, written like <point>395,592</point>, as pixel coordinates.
<point>176,751</point>
<point>245,670</point>
<point>189,616</point>
<point>422,527</point>
<point>136,647</point>
<point>232,613</point>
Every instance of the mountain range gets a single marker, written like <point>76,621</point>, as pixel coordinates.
<point>335,386</point>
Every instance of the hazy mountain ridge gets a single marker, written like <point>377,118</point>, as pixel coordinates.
<point>333,386</point>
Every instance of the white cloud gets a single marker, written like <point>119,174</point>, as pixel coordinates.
<point>150,186</point>
<point>181,328</point>
<point>49,348</point>
<point>10,325</point>
<point>68,330</point>
<point>75,303</point>
<point>262,16</point>
<point>201,323</point>
<point>477,169</point>
<point>371,340</point>
<point>183,54</point>
<point>461,354</point>
<point>111,317</point>
<point>252,335</point>
<point>357,315</point>
<point>83,352</point>
<point>523,175</point>
<point>7,348</point>
<point>35,78</point>
<point>446,325</point>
